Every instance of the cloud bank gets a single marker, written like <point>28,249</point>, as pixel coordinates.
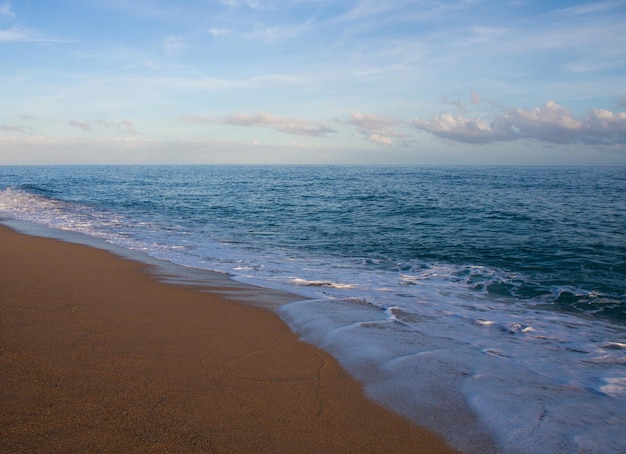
<point>126,127</point>
<point>296,126</point>
<point>551,123</point>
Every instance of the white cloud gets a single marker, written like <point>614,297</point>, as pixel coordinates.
<point>459,129</point>
<point>604,127</point>
<point>19,34</point>
<point>287,125</point>
<point>28,35</point>
<point>278,33</point>
<point>13,128</point>
<point>592,8</point>
<point>380,140</point>
<point>5,10</point>
<point>255,4</point>
<point>460,105</point>
<point>80,124</point>
<point>220,31</point>
<point>369,122</point>
<point>123,127</point>
<point>174,44</point>
<point>549,123</point>
<point>377,129</point>
<point>126,127</point>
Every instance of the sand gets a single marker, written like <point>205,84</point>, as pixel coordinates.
<point>96,355</point>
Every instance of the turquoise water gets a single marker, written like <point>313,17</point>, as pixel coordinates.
<point>523,269</point>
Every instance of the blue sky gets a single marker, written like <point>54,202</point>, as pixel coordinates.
<point>313,81</point>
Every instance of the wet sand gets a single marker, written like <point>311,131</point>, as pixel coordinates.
<point>96,355</point>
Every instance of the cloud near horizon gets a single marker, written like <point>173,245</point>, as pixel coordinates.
<point>13,128</point>
<point>122,127</point>
<point>80,124</point>
<point>220,31</point>
<point>551,123</point>
<point>377,129</point>
<point>296,126</point>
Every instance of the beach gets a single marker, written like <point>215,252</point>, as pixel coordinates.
<point>96,355</point>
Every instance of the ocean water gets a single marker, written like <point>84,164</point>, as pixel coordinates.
<point>487,303</point>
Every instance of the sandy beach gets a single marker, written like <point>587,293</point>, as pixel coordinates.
<point>96,355</point>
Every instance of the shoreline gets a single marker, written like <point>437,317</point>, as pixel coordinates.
<point>97,354</point>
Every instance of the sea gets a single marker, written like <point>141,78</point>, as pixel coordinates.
<point>486,303</point>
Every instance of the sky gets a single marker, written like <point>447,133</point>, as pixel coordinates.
<point>448,82</point>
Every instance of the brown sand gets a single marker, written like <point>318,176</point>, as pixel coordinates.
<point>96,355</point>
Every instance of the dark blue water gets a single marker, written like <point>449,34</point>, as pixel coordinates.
<point>559,234</point>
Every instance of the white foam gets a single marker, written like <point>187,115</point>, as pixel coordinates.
<point>451,383</point>
<point>393,361</point>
